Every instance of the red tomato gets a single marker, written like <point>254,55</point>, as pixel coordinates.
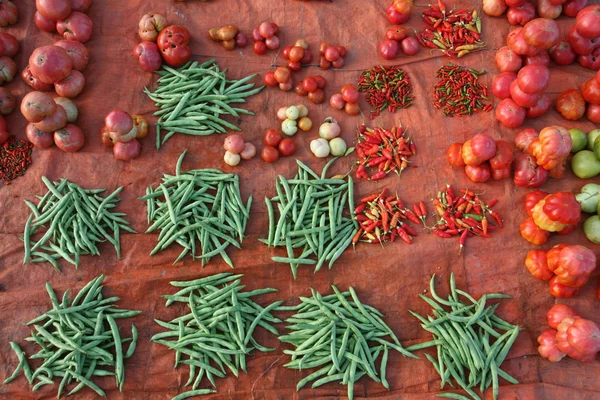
<point>77,51</point>
<point>37,137</point>
<point>570,104</point>
<point>573,261</point>
<point>44,24</point>
<point>507,60</point>
<point>148,56</point>
<point>35,83</point>
<point>310,84</point>
<point>588,22</point>
<point>403,6</point>
<point>10,44</point>
<point>9,13</point>
<point>581,45</point>
<point>282,74</point>
<point>172,42</point>
<point>563,53</point>
<point>396,32</point>
<point>336,101</point>
<point>558,312</point>
<point>520,15</point>
<point>562,207</point>
<point>548,346</point>
<point>350,93</point>
<point>454,155</point>
<point>296,53</point>
<point>483,146</point>
<point>316,97</point>
<point>542,33</point>
<point>50,64</point>
<point>81,5</point>
<point>498,174</point>
<point>259,48</point>
<point>270,80</point>
<point>584,335</point>
<point>525,137</point>
<point>7,102</point>
<point>532,198</point>
<point>36,106</point>
<point>77,26</point>
<point>8,69</point>
<point>71,86</point>
<point>542,58</point>
<point>53,122</point>
<point>388,49</point>
<point>561,291</point>
<point>4,136</point>
<point>546,9</point>
<point>572,7</point>
<point>268,29</point>
<point>320,81</point>
<point>469,156</point>
<point>54,10</point>
<point>541,107</point>
<point>269,154</point>
<point>556,143</point>
<point>518,44</point>
<point>503,157</point>
<point>287,147</point>
<point>272,137</point>
<point>533,78</point>
<point>532,233</point>
<point>127,151</point>
<point>510,114</point>
<point>501,84</point>
<point>352,108</point>
<point>480,173</point>
<point>394,17</point>
<point>69,139</point>
<point>528,173</point>
<point>591,91</point>
<point>593,113</point>
<point>300,91</point>
<point>410,45</point>
<point>537,265</point>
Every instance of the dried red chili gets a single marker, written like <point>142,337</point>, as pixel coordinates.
<point>15,157</point>
<point>458,91</point>
<point>385,87</point>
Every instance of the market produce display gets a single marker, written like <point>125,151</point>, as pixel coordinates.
<point>217,333</point>
<point>471,341</point>
<point>69,221</point>
<point>483,157</point>
<point>385,88</point>
<point>312,216</point>
<point>199,204</point>
<point>15,156</point>
<point>79,340</point>
<point>333,333</point>
<point>193,98</point>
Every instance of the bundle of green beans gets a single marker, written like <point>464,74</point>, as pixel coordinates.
<point>77,339</point>
<point>218,331</point>
<point>333,332</point>
<point>194,99</point>
<point>311,217</point>
<point>200,204</point>
<point>77,219</point>
<point>471,341</point>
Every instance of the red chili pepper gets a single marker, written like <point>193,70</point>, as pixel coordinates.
<point>462,241</point>
<point>417,210</point>
<point>369,198</point>
<point>484,225</point>
<point>412,217</point>
<point>378,175</point>
<point>403,235</point>
<point>497,218</point>
<point>409,229</point>
<point>492,203</point>
<point>360,208</point>
<point>423,209</point>
<point>441,234</point>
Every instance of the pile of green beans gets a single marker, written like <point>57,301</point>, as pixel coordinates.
<point>77,339</point>
<point>77,219</point>
<point>218,331</point>
<point>194,98</point>
<point>200,204</point>
<point>469,338</point>
<point>311,217</point>
<point>333,333</point>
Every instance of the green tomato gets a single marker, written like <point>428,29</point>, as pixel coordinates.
<point>585,164</point>
<point>579,139</point>
<point>597,147</point>
<point>589,198</point>
<point>591,228</point>
<point>338,146</point>
<point>591,136</point>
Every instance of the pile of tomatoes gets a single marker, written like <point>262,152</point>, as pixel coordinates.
<point>331,56</point>
<point>265,37</point>
<point>65,16</point>
<point>229,36</point>
<point>297,55</point>
<point>558,212</point>
<point>121,131</point>
<point>312,87</point>
<point>584,37</point>
<point>347,99</point>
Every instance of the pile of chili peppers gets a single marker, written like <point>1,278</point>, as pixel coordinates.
<point>463,215</point>
<point>382,217</point>
<point>384,150</point>
<point>459,92</point>
<point>385,87</point>
<point>15,157</point>
<point>455,32</point>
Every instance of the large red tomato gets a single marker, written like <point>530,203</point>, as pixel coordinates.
<point>591,91</point>
<point>50,64</point>
<point>172,42</point>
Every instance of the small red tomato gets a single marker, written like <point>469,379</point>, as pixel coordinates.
<point>241,39</point>
<point>501,84</point>
<point>324,64</point>
<point>71,86</point>
<point>54,10</point>
<point>316,97</point>
<point>498,174</point>
<point>127,151</point>
<point>270,80</point>
<point>410,46</point>
<point>532,233</point>
<point>272,43</point>
<point>563,53</point>
<point>294,66</point>
<point>8,69</point>
<point>320,81</point>
<point>339,63</point>
<point>307,59</point>
<point>570,104</point>
<point>287,147</point>
<point>322,47</point>
<point>77,51</point>
<point>510,114</point>
<point>77,26</point>
<point>454,155</point>
<point>541,107</point>
<point>259,48</point>
<point>394,17</point>
<point>350,93</point>
<point>300,91</point>
<point>173,44</point>
<point>296,54</point>
<point>533,78</point>
<point>396,32</point>
<point>591,91</point>
<point>256,35</point>
<point>38,138</point>
<point>148,56</point>
<point>336,101</point>
<point>10,44</point>
<point>272,137</point>
<point>542,58</point>
<point>268,29</point>
<point>286,52</point>
<point>331,54</point>
<point>269,154</point>
<point>7,102</point>
<point>478,174</point>
<point>352,108</point>
<point>507,60</point>
<point>53,122</point>
<point>342,50</point>
<point>287,86</point>
<point>593,113</point>
<point>282,74</point>
<point>310,84</point>
<point>521,98</point>
<point>44,24</point>
<point>69,139</point>
<point>388,49</point>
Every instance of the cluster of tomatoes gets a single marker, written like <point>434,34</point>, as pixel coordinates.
<point>161,42</point>
<point>297,55</point>
<point>312,87</point>
<point>482,157</point>
<point>331,56</point>
<point>520,12</point>
<point>584,37</point>
<point>229,36</point>
<point>121,131</point>
<point>396,36</point>
<point>237,150</point>
<point>347,99</point>
<point>557,212</point>
<point>65,16</point>
<point>573,104</point>
<point>265,37</point>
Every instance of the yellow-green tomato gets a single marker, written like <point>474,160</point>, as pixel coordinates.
<point>289,127</point>
<point>597,147</point>
<point>338,146</point>
<point>329,129</point>
<point>591,228</point>
<point>231,159</point>
<point>591,137</point>
<point>585,165</point>
<point>589,198</point>
<point>320,147</point>
<point>305,124</point>
<point>303,110</point>
<point>579,140</point>
<point>292,112</point>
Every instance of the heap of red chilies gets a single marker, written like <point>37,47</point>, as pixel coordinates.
<point>15,157</point>
<point>463,215</point>
<point>384,150</point>
<point>459,92</point>
<point>455,32</point>
<point>382,218</point>
<point>385,87</point>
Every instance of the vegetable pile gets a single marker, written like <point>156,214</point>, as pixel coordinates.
<point>584,34</point>
<point>483,157</point>
<point>385,88</point>
<point>200,204</point>
<point>218,331</point>
<point>455,32</point>
<point>383,150</point>
<point>570,335</point>
<point>589,200</point>
<point>311,217</point>
<point>558,212</point>
<point>464,215</point>
<point>382,218</point>
<point>194,99</point>
<point>121,131</point>
<point>471,341</point>
<point>79,339</point>
<point>15,157</point>
<point>566,267</point>
<point>347,100</point>
<point>77,220</point>
<point>586,148</point>
<point>333,333</point>
<point>459,92</point>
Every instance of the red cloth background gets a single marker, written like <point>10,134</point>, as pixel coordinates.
<point>388,279</point>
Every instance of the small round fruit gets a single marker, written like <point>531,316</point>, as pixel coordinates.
<point>272,137</point>
<point>127,151</point>
<point>287,147</point>
<point>269,154</point>
<point>37,137</point>
<point>249,151</point>
<point>352,108</point>
<point>70,138</point>
<point>305,124</point>
<point>232,159</point>
<point>234,144</point>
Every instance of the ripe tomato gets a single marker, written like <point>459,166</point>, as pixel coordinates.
<point>532,198</point>
<point>532,233</point>
<point>548,346</point>
<point>503,157</point>
<point>272,137</point>
<point>558,312</point>
<point>172,42</point>
<point>537,264</point>
<point>350,93</point>
<point>269,154</point>
<point>570,104</point>
<point>287,147</point>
